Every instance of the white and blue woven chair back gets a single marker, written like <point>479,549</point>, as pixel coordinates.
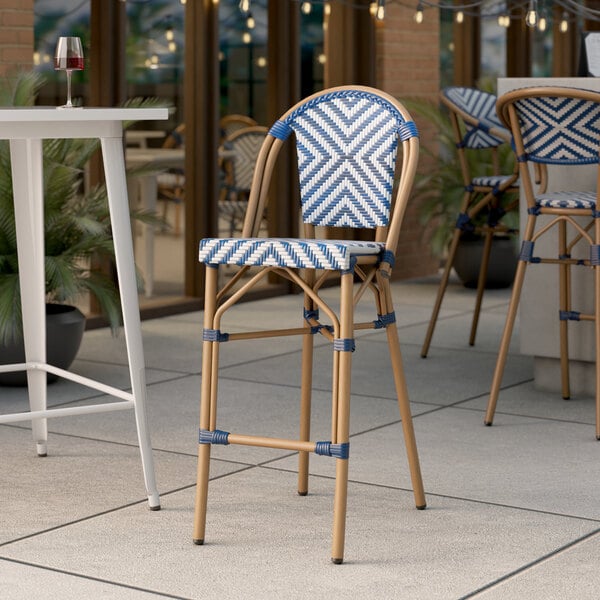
<point>245,146</point>
<point>347,142</point>
<point>481,106</point>
<point>559,130</point>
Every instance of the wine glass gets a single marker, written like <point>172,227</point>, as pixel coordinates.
<point>69,58</point>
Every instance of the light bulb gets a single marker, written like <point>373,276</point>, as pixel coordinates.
<point>250,22</point>
<point>306,8</point>
<point>532,18</point>
<point>169,34</point>
<point>246,37</point>
<point>380,14</point>
<point>460,16</point>
<point>373,8</point>
<point>244,5</point>
<point>542,23</point>
<point>419,14</point>
<point>564,24</point>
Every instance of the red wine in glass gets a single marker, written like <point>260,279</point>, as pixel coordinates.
<point>69,58</point>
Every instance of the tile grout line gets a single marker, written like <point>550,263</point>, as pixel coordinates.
<point>526,567</point>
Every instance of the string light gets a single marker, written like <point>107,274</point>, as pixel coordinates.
<point>306,8</point>
<point>460,16</point>
<point>250,22</point>
<point>245,6</point>
<point>564,24</point>
<point>380,14</point>
<point>246,37</point>
<point>419,14</point>
<point>504,21</point>
<point>542,23</point>
<point>532,17</point>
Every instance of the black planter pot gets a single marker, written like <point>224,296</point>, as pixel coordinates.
<point>64,331</point>
<point>501,268</point>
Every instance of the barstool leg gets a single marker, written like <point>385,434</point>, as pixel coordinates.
<point>342,376</point>
<point>441,292</point>
<point>305,404</point>
<point>505,341</point>
<point>207,399</point>
<point>481,281</point>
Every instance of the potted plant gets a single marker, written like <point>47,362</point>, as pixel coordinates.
<point>440,191</point>
<point>77,233</point>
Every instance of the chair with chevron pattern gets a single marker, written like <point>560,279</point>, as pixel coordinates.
<point>347,141</point>
<point>487,197</point>
<point>239,153</point>
<point>555,126</point>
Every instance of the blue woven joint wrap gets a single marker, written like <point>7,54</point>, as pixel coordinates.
<point>214,335</point>
<point>385,320</point>
<point>522,158</point>
<point>595,255</point>
<point>569,315</point>
<point>407,130</point>
<point>534,211</point>
<point>335,450</point>
<point>463,222</point>
<point>311,314</point>
<point>483,126</point>
<point>344,344</point>
<point>351,266</point>
<point>213,437</point>
<point>388,257</point>
<point>526,253</point>
<point>280,130</point>
<point>317,328</point>
<point>596,214</point>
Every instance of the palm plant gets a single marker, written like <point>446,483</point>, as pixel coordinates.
<point>76,223</point>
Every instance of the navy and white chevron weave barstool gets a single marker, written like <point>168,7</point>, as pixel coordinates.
<point>347,142</point>
<point>490,195</point>
<point>555,126</point>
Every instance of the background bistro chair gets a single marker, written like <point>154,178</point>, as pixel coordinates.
<point>238,157</point>
<point>347,140</point>
<point>556,126</point>
<point>476,127</point>
<point>171,183</point>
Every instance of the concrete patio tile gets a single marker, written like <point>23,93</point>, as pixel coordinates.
<point>541,580</point>
<point>29,581</point>
<point>529,463</point>
<point>266,546</point>
<point>526,400</point>
<point>80,477</point>
<point>451,376</point>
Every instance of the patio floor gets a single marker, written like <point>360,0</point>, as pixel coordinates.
<point>513,509</point>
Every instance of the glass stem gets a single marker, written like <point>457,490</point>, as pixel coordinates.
<point>69,103</point>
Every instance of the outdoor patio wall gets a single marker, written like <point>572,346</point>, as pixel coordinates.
<point>408,67</point>
<point>16,35</point>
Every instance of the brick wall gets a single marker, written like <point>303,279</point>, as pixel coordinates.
<point>408,68</point>
<point>16,35</point>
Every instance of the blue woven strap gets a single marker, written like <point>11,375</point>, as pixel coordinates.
<point>595,255</point>
<point>213,437</point>
<point>280,130</point>
<point>344,344</point>
<point>407,130</point>
<point>388,257</point>
<point>463,222</point>
<point>569,315</point>
<point>385,320</point>
<point>214,335</point>
<point>335,450</point>
<point>526,253</point>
